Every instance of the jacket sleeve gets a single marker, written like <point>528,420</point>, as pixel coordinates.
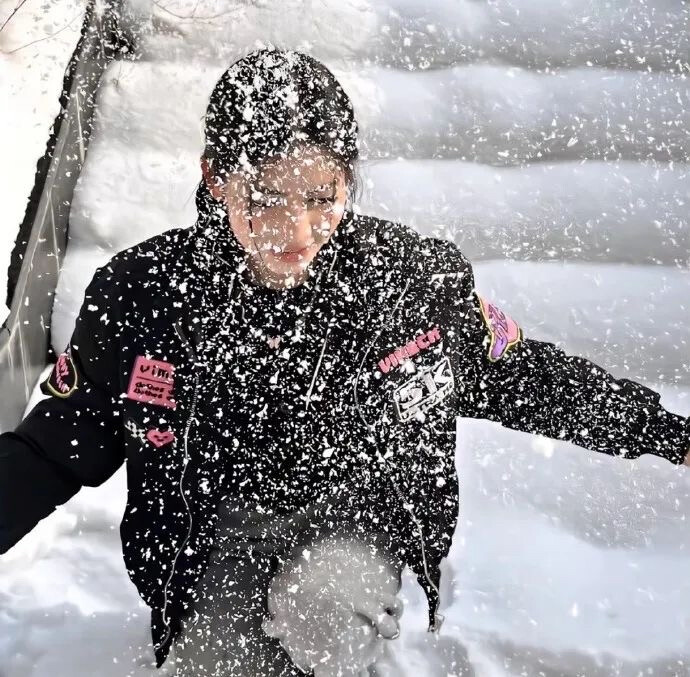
<point>73,438</point>
<point>533,386</point>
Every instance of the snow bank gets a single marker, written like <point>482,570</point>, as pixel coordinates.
<point>475,117</point>
<point>568,559</point>
<point>594,211</point>
<point>478,112</point>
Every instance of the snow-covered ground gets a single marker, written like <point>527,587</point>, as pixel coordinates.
<point>548,140</point>
<point>35,47</point>
<point>565,562</point>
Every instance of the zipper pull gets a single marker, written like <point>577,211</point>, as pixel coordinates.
<point>191,347</point>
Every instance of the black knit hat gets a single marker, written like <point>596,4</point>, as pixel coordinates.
<point>271,100</point>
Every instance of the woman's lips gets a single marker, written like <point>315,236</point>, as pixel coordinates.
<point>293,257</point>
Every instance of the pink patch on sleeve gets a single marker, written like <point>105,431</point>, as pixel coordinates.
<point>151,382</point>
<point>503,330</point>
<point>63,379</point>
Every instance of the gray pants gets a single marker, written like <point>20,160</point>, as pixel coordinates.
<point>285,596</point>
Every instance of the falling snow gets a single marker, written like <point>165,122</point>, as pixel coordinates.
<point>496,332</point>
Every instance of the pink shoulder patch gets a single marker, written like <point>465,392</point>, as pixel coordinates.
<point>503,330</point>
<point>151,382</point>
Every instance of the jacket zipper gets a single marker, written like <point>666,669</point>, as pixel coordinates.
<point>316,370</point>
<point>188,425</point>
<point>438,617</point>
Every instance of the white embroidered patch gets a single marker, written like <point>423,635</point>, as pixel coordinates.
<point>443,276</point>
<point>136,430</point>
<point>424,390</point>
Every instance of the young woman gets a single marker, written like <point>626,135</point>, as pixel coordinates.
<point>282,381</point>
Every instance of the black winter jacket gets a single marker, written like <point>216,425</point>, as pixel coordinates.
<point>158,374</point>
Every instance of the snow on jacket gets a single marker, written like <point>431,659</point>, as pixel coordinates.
<point>397,344</point>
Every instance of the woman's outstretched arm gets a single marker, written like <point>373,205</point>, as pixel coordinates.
<point>73,438</point>
<point>536,387</point>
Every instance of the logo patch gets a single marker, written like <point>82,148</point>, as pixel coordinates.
<point>135,430</point>
<point>159,438</point>
<point>409,349</point>
<point>63,379</point>
<point>504,331</point>
<point>424,390</point>
<point>151,382</point>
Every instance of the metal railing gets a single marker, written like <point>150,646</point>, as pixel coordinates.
<point>40,246</point>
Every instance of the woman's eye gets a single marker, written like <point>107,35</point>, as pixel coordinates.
<point>268,202</point>
<point>322,200</point>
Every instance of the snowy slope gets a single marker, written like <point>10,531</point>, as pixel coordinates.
<point>547,140</point>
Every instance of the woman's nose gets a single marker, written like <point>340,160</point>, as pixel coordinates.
<point>300,230</point>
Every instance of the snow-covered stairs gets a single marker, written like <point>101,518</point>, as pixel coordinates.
<point>547,139</point>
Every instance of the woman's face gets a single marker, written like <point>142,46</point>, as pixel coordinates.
<point>284,215</point>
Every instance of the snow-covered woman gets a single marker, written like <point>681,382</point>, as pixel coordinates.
<point>282,380</point>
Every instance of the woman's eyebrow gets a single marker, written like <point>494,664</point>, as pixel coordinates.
<point>269,190</point>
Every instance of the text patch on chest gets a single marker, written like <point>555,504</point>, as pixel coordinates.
<point>151,382</point>
<point>424,390</point>
<point>399,355</point>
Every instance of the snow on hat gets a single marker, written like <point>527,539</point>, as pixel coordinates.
<point>271,100</point>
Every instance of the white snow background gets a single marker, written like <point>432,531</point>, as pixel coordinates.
<point>549,141</point>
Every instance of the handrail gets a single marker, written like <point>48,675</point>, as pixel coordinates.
<point>40,246</point>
